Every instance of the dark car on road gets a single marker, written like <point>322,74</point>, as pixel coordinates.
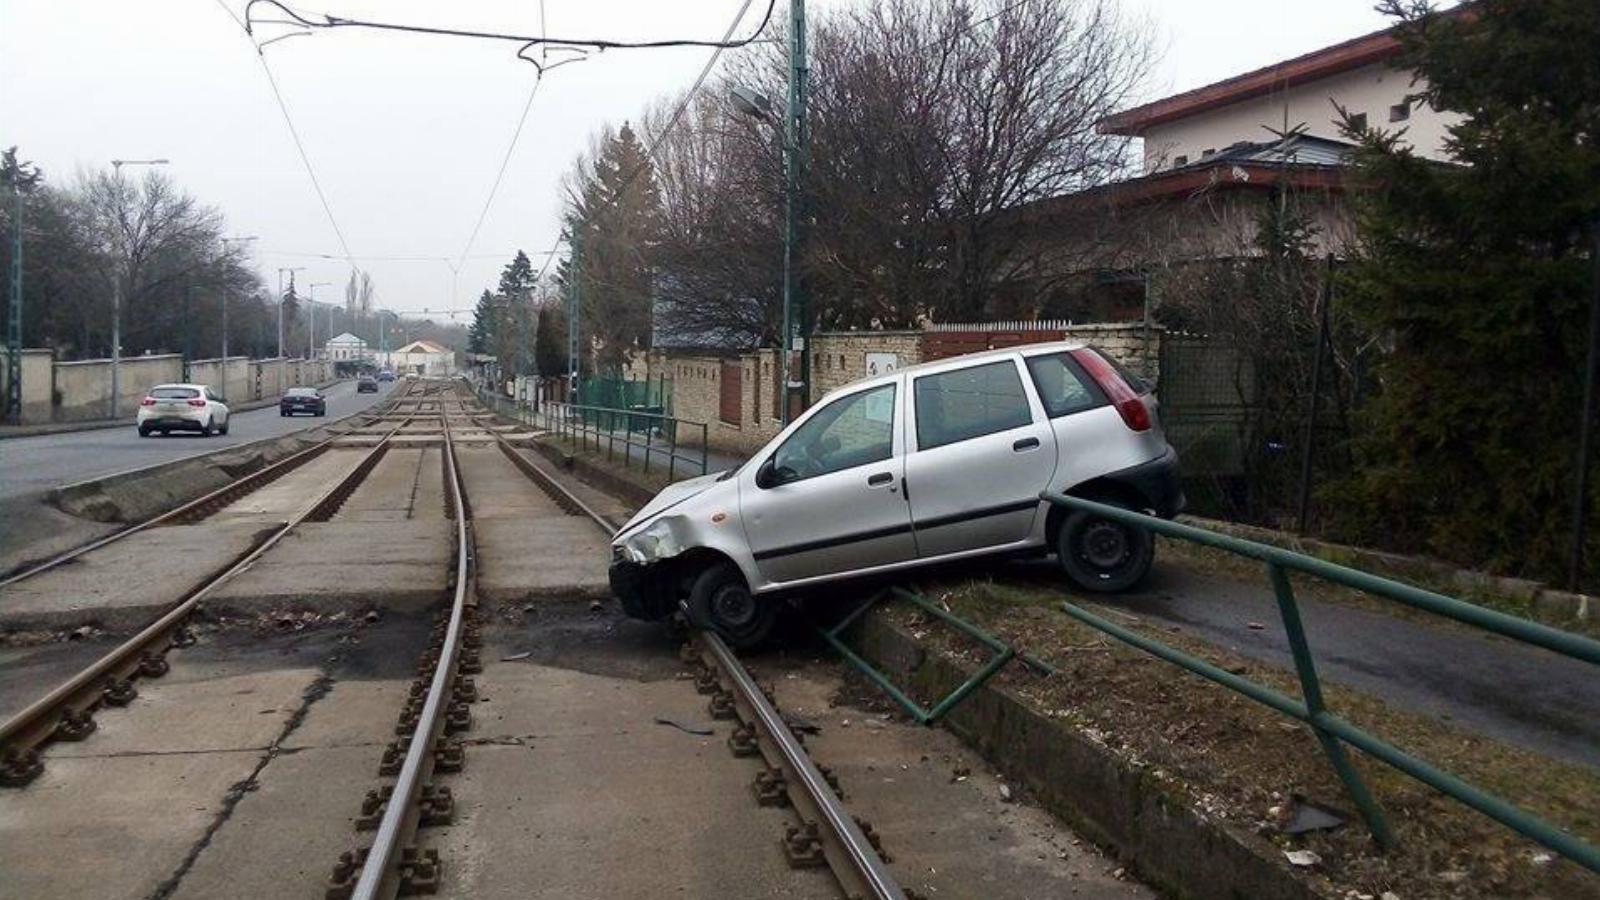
<point>386,375</point>
<point>366,384</point>
<point>303,400</point>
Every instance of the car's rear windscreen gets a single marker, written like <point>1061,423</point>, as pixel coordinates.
<point>174,393</point>
<point>300,392</point>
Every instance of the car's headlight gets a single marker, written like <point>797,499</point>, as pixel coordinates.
<point>656,541</point>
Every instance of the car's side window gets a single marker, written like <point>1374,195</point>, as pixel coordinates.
<point>1063,387</point>
<point>851,431</point>
<point>968,403</point>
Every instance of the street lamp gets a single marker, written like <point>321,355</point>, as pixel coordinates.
<point>311,317</point>
<point>116,289</point>
<point>796,321</point>
<point>291,270</point>
<point>225,243</point>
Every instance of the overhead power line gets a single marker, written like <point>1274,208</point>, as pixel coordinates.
<point>294,132</point>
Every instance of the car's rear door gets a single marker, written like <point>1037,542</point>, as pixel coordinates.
<point>838,507</point>
<point>981,451</point>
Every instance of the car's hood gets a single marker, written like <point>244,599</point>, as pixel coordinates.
<point>670,496</point>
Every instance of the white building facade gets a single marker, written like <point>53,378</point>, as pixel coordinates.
<point>346,348</point>
<point>422,358</point>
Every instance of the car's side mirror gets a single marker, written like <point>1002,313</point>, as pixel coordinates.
<point>767,474</point>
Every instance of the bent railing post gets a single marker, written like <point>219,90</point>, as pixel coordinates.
<point>1311,690</point>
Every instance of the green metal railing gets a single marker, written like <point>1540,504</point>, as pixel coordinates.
<point>1003,653</point>
<point>1331,731</point>
<point>652,433</point>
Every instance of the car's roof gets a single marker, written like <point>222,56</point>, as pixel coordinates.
<point>193,387</point>
<point>953,361</point>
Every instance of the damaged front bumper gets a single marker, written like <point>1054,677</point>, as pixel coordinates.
<point>645,590</point>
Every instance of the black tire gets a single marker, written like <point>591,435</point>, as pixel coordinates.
<point>207,430</point>
<point>1103,556</point>
<point>283,414</point>
<point>143,431</point>
<point>720,599</point>
<point>225,423</point>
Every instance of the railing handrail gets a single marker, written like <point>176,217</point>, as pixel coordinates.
<point>1332,731</point>
<point>583,407</point>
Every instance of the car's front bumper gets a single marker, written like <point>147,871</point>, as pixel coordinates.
<point>644,591</point>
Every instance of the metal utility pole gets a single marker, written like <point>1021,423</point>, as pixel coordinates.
<point>291,270</point>
<point>116,291</point>
<point>797,140</point>
<point>311,318</point>
<point>224,376</point>
<point>14,320</point>
<point>574,312</point>
<point>188,351</point>
<point>1586,452</point>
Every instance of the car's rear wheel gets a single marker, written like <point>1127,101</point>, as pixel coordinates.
<point>144,431</point>
<point>720,599</point>
<point>225,424</point>
<point>1101,555</point>
<point>206,430</point>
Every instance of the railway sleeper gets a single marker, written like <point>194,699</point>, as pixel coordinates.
<point>771,788</point>
<point>20,766</point>
<point>118,692</point>
<point>802,846</point>
<point>742,741</point>
<point>435,806</point>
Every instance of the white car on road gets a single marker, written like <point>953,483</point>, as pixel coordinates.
<point>182,407</point>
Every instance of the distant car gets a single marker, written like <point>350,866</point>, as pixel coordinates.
<point>411,376</point>
<point>386,375</point>
<point>303,400</point>
<point>366,384</point>
<point>182,407</point>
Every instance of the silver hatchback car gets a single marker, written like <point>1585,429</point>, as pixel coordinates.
<point>933,463</point>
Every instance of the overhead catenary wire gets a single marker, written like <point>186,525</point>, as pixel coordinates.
<point>294,133</point>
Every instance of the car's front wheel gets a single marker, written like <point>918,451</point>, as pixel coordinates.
<point>1101,555</point>
<point>720,599</point>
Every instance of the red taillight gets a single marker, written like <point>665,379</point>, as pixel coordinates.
<point>197,402</point>
<point>148,401</point>
<point>1129,406</point>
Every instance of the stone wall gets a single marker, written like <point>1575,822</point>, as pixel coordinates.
<point>82,390</point>
<point>697,386</point>
<point>36,384</point>
<point>840,357</point>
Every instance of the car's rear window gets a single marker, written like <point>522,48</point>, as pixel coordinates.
<point>174,393</point>
<point>1063,387</point>
<point>300,392</point>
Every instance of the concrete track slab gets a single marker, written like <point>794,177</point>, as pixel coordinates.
<point>117,815</point>
<point>329,567</point>
<point>405,484</point>
<point>496,487</point>
<point>578,794</point>
<point>127,583</point>
<point>548,557</point>
<point>936,805</point>
<point>295,492</point>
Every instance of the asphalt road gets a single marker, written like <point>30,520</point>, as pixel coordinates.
<point>33,464</point>
<point>1512,691</point>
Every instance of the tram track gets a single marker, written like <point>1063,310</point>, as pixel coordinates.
<point>65,713</point>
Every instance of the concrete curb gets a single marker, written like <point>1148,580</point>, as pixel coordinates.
<point>1117,803</point>
<point>1563,609</point>
<point>10,432</point>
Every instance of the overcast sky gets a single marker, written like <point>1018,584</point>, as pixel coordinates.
<point>406,132</point>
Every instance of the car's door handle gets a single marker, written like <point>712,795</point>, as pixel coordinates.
<point>880,478</point>
<point>1025,444</point>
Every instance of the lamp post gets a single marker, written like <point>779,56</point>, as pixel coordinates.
<point>291,270</point>
<point>796,144</point>
<point>225,245</point>
<point>116,289</point>
<point>14,322</point>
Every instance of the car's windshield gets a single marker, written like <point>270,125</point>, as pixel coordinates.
<point>174,393</point>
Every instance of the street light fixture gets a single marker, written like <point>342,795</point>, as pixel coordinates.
<point>116,292</point>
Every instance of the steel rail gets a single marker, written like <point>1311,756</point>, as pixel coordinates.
<point>379,875</point>
<point>231,490</point>
<point>850,853</point>
<point>35,725</point>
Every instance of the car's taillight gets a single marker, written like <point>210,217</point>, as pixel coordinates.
<point>1129,406</point>
<point>148,401</point>
<point>197,402</point>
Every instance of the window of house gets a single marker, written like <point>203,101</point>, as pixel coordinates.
<point>1181,160</point>
<point>968,403</point>
<point>1358,121</point>
<point>851,431</point>
<point>1209,151</point>
<point>1400,111</point>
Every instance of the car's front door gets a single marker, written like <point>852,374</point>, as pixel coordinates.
<point>983,450</point>
<point>830,499</point>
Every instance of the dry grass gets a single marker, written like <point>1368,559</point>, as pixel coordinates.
<point>1241,761</point>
